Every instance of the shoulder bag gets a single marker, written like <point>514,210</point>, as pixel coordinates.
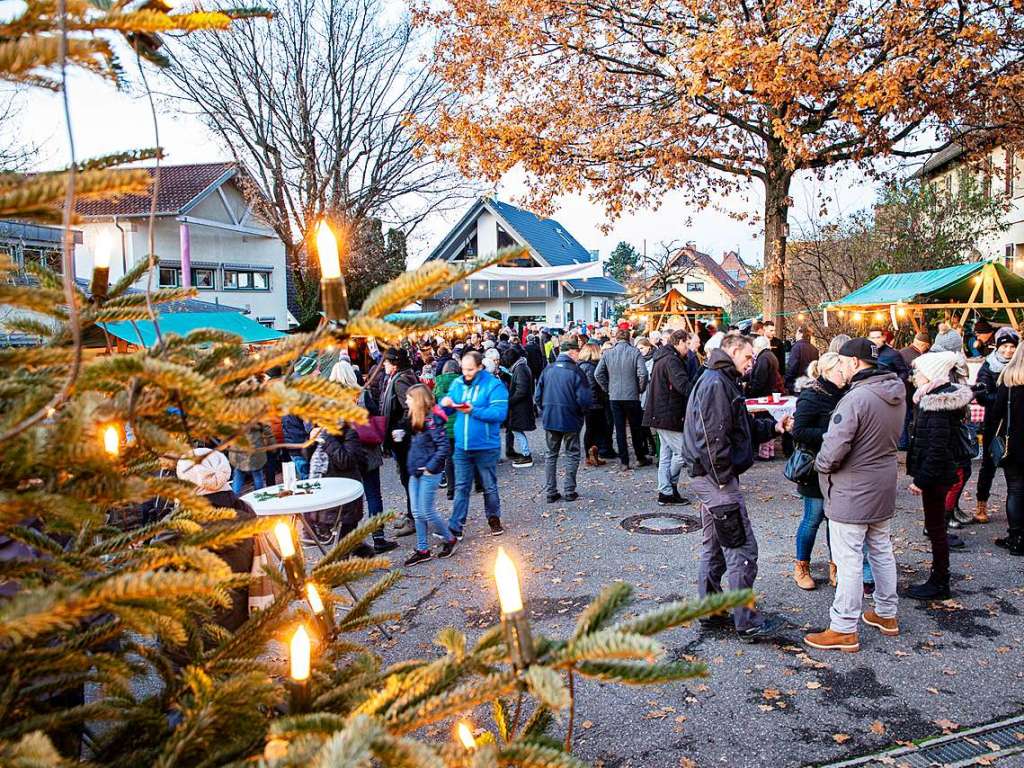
<point>799,465</point>
<point>998,447</point>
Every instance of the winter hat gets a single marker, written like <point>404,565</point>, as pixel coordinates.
<point>399,357</point>
<point>936,365</point>
<point>1007,335</point>
<point>948,341</point>
<point>569,345</point>
<point>860,348</point>
<point>983,326</point>
<point>212,473</point>
<point>923,336</point>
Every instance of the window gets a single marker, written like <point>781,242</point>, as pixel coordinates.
<point>468,251</point>
<point>695,287</point>
<point>203,279</point>
<point>267,322</point>
<point>52,259</point>
<point>246,280</point>
<point>505,240</point>
<point>170,277</point>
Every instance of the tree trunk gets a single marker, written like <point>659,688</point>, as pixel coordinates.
<point>776,231</point>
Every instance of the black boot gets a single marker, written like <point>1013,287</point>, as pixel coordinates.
<point>934,589</point>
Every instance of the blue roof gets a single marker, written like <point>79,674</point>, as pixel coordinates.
<point>597,285</point>
<point>546,236</point>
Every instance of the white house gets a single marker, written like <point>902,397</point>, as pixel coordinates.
<point>1001,172</point>
<point>205,235</point>
<point>490,225</point>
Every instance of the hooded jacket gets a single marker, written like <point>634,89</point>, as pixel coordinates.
<point>622,372</point>
<point>428,448</point>
<point>668,391</point>
<point>521,417</point>
<point>857,462</point>
<point>933,458</point>
<point>719,434</point>
<point>480,429</point>
<point>563,395</point>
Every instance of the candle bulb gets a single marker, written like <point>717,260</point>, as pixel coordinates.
<point>101,266</point>
<point>332,285</point>
<point>300,650</point>
<point>293,565</point>
<point>111,441</point>
<point>514,620</point>
<point>465,734</point>
<point>316,604</point>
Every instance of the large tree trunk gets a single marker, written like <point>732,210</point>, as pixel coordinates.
<point>776,230</point>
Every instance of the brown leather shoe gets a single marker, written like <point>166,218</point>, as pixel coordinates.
<point>802,575</point>
<point>888,627</point>
<point>833,574</point>
<point>593,459</point>
<point>981,513</point>
<point>833,641</point>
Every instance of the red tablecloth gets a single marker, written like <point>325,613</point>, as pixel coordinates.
<point>977,413</point>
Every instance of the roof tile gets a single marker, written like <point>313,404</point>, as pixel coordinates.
<point>179,185</point>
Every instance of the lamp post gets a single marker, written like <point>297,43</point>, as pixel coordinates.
<point>514,620</point>
<point>332,285</point>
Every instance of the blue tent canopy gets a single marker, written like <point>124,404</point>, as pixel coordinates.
<point>141,332</point>
<point>908,287</point>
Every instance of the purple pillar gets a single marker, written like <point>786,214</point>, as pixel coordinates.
<point>186,255</point>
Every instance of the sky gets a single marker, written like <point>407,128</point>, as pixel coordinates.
<point>105,120</point>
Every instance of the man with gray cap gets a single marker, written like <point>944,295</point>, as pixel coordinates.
<point>857,470</point>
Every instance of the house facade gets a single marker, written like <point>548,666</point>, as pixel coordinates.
<point>700,278</point>
<point>1001,172</point>
<point>734,266</point>
<point>490,225</point>
<point>205,236</point>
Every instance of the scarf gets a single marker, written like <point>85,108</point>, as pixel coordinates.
<point>931,386</point>
<point>996,362</point>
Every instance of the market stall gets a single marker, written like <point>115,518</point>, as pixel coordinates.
<point>674,309</point>
<point>953,292</point>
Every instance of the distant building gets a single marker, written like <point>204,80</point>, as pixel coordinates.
<point>490,225</point>
<point>736,268</point>
<point>205,236</point>
<point>1000,171</point>
<point>701,278</point>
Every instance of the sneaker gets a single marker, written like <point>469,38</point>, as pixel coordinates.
<point>887,626</point>
<point>718,621</point>
<point>679,499</point>
<point>954,541</point>
<point>364,551</point>
<point>380,546</point>
<point>496,529</point>
<point>418,557</point>
<point>522,462</point>
<point>447,548</point>
<point>933,589</point>
<point>458,534</point>
<point>768,629</point>
<point>571,496</point>
<point>553,497</point>
<point>829,640</point>
<point>665,499</point>
<point>406,528</point>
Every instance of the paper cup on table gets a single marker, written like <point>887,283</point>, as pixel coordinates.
<point>288,473</point>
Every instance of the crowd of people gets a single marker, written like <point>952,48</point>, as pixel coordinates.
<point>444,413</point>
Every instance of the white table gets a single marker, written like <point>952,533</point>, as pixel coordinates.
<point>778,410</point>
<point>333,492</point>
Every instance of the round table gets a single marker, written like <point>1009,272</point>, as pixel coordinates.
<point>333,492</point>
<point>777,409</point>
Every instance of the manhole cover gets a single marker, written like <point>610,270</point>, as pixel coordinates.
<point>661,524</point>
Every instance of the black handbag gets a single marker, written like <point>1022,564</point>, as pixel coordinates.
<point>728,525</point>
<point>998,446</point>
<point>799,465</point>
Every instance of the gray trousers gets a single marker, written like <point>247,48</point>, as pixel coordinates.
<point>716,560</point>
<point>670,460</point>
<point>849,543</point>
<point>555,442</point>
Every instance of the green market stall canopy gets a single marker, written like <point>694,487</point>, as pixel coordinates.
<point>953,290</point>
<point>142,333</point>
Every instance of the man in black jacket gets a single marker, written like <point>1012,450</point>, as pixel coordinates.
<point>535,356</point>
<point>399,378</point>
<point>888,358</point>
<point>719,440</point>
<point>664,411</point>
<point>801,354</point>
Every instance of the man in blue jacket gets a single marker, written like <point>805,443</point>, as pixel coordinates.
<point>563,395</point>
<point>479,402</point>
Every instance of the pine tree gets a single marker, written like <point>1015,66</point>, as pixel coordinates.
<point>623,260</point>
<point>109,648</point>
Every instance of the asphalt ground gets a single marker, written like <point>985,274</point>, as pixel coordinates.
<point>956,663</point>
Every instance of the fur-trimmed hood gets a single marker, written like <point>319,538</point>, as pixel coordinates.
<point>949,397</point>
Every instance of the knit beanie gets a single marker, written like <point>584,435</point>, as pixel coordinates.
<point>209,470</point>
<point>950,341</point>
<point>936,365</point>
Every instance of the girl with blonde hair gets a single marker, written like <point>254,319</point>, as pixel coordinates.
<point>428,451</point>
<point>1008,417</point>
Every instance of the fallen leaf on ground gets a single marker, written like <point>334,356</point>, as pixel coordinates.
<point>878,727</point>
<point>840,738</point>
<point>813,685</point>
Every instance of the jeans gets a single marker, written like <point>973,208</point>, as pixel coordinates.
<point>670,461</point>
<point>715,560</point>
<point>1014,499</point>
<point>933,497</point>
<point>238,480</point>
<point>986,474</point>
<point>814,514</point>
<point>374,498</point>
<point>422,491</point>
<point>467,463</point>
<point>623,411</point>
<point>555,441</point>
<point>521,443</point>
<point>301,467</point>
<point>848,543</point>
